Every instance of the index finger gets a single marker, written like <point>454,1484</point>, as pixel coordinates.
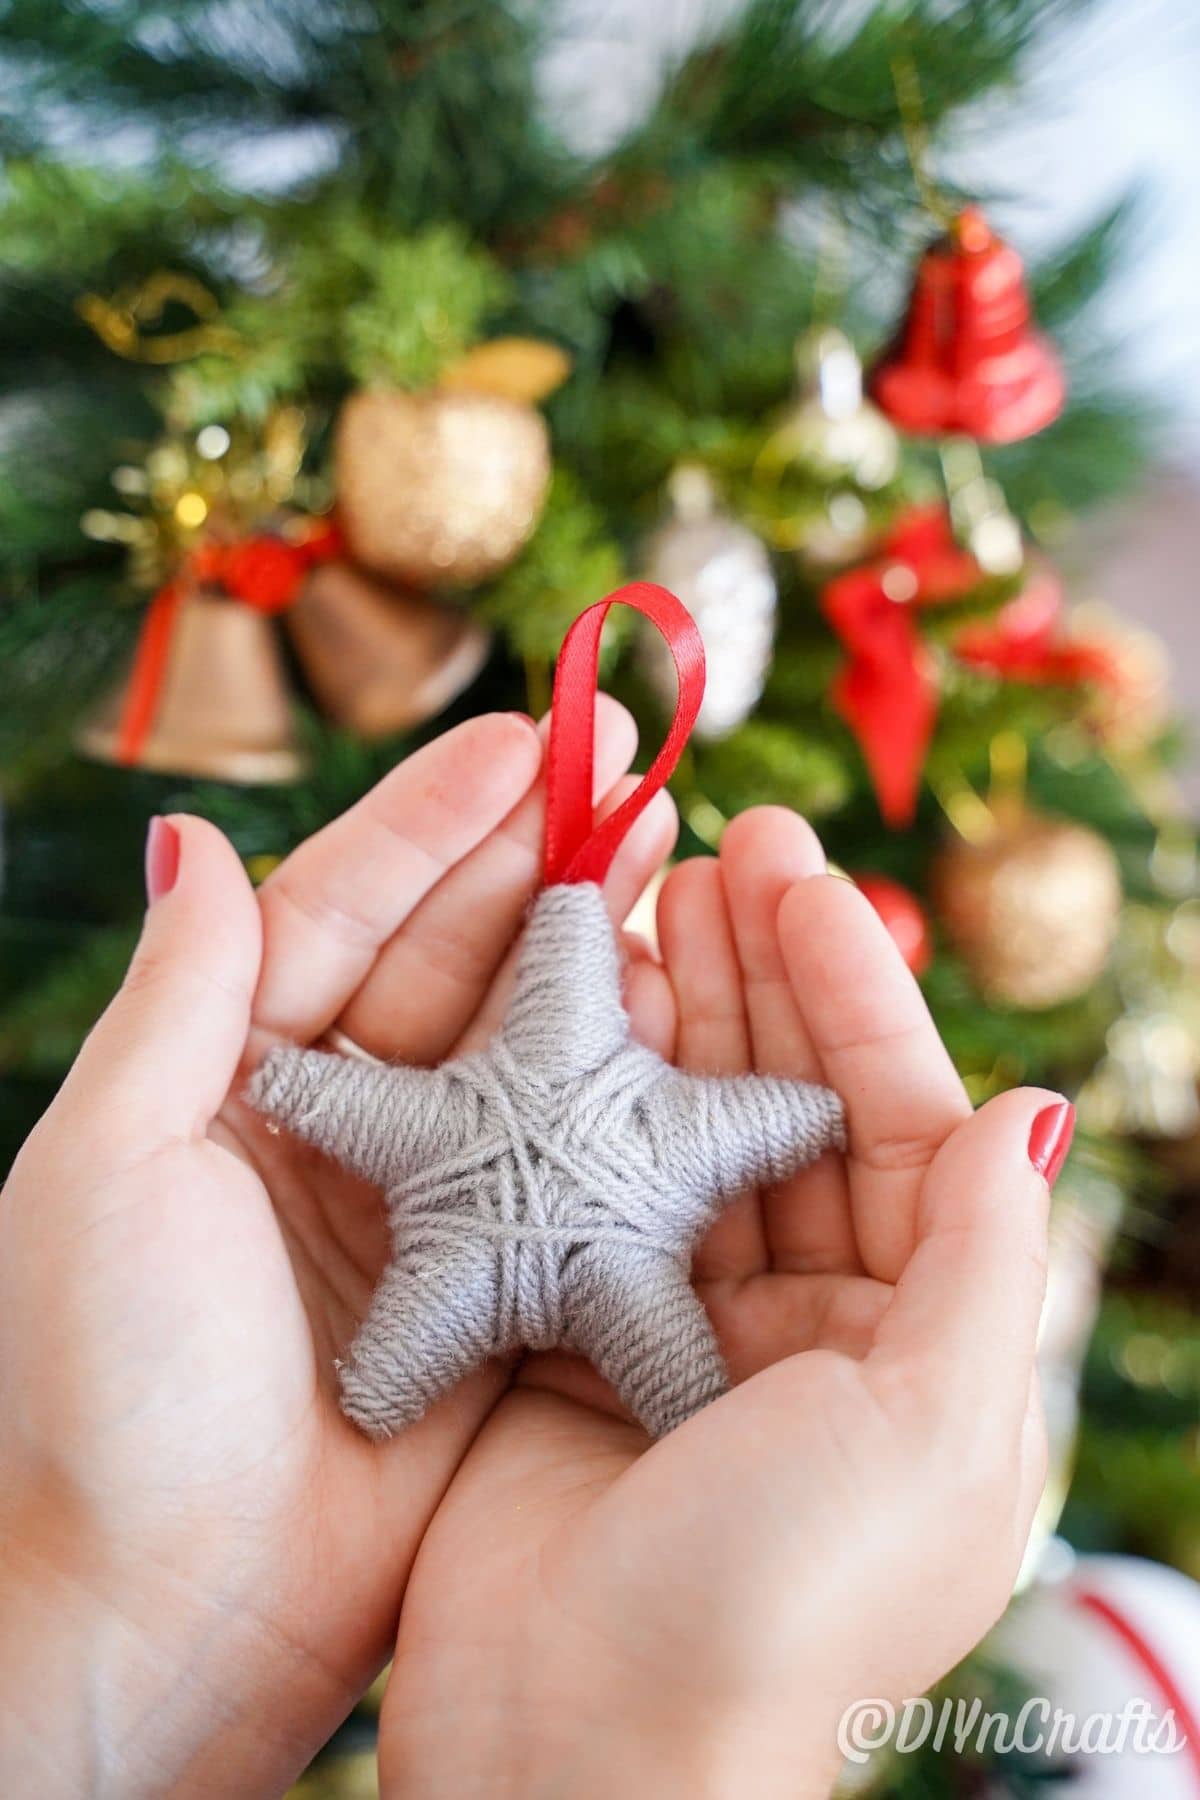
<point>879,1048</point>
<point>962,1324</point>
<point>328,909</point>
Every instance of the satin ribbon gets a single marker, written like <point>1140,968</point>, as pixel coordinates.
<point>887,692</point>
<point>263,572</point>
<point>575,850</point>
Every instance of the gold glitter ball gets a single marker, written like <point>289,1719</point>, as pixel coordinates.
<point>439,489</point>
<point>1032,910</point>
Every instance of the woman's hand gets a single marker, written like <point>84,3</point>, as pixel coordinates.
<point>201,1562</point>
<point>590,1614</point>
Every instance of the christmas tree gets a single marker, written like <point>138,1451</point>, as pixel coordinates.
<point>335,383</point>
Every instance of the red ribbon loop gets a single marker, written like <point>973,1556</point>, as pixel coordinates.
<point>574,850</point>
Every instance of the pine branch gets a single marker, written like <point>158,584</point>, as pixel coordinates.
<point>787,85</point>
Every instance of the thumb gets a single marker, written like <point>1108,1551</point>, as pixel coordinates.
<point>964,1317</point>
<point>160,1060</point>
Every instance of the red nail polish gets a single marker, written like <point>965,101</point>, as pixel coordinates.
<point>1050,1139</point>
<point>162,858</point>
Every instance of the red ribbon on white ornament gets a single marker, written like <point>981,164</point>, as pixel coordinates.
<point>1152,1666</point>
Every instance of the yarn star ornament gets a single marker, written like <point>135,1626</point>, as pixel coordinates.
<point>548,1190</point>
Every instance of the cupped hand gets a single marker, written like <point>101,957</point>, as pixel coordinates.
<point>197,1548</point>
<point>592,1614</point>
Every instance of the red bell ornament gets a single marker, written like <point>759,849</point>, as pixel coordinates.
<point>967,358</point>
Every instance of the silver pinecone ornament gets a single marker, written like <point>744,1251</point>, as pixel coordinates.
<point>722,573</point>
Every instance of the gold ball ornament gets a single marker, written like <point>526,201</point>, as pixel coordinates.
<point>839,443</point>
<point>830,429</point>
<point>1032,909</point>
<point>835,533</point>
<point>442,488</point>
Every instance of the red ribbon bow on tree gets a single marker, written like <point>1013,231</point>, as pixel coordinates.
<point>1025,643</point>
<point>264,572</point>
<point>888,692</point>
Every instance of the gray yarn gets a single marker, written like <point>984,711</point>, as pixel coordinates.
<point>547,1190</point>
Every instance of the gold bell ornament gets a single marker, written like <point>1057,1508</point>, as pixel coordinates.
<point>443,487</point>
<point>379,659</point>
<point>207,695</point>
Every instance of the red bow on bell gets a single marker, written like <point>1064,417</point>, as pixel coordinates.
<point>888,693</point>
<point>263,571</point>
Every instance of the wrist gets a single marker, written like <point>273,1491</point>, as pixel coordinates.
<point>594,1739</point>
<point>66,1679</point>
<point>128,1677</point>
<point>694,1757</point>
<point>88,1686</point>
<point>658,1749</point>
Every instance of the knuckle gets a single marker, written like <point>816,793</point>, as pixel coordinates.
<point>153,969</point>
<point>897,1153</point>
<point>323,912</point>
<point>146,972</point>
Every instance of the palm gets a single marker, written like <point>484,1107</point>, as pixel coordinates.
<point>200,1274</point>
<point>564,1532</point>
<point>178,1279</point>
<point>329,1523</point>
<point>309,1250</point>
<point>329,1224</point>
<point>314,1239</point>
<point>778,1273</point>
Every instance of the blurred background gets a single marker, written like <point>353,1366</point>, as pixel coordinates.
<point>347,351</point>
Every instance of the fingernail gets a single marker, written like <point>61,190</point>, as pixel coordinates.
<point>525,718</point>
<point>1050,1139</point>
<point>162,858</point>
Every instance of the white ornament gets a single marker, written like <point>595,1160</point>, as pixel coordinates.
<point>1111,1641</point>
<point>722,573</point>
